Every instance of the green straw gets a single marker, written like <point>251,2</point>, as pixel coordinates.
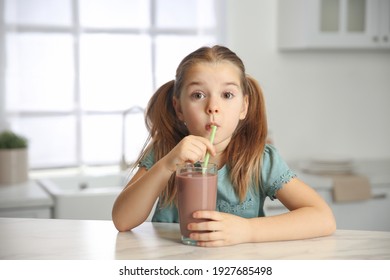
<point>207,157</point>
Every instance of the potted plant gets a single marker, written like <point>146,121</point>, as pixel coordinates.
<point>13,158</point>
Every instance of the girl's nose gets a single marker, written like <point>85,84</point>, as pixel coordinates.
<point>212,108</point>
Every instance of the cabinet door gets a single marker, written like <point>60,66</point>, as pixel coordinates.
<point>344,23</point>
<point>327,24</point>
<point>384,25</point>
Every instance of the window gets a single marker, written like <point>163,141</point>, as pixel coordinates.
<point>73,67</point>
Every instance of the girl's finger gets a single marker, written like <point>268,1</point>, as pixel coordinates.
<point>205,226</point>
<point>211,215</point>
<point>204,143</point>
<point>206,236</point>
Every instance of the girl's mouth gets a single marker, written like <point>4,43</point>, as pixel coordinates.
<point>209,126</point>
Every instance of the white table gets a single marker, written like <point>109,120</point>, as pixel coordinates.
<point>46,239</point>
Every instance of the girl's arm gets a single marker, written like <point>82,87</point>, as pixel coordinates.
<point>309,216</point>
<point>135,202</point>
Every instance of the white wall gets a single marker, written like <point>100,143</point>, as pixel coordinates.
<point>318,102</point>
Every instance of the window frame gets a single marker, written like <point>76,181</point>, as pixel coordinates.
<point>76,30</point>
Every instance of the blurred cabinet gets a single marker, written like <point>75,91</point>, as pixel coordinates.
<point>334,24</point>
<point>34,212</point>
<point>25,200</point>
<point>372,214</point>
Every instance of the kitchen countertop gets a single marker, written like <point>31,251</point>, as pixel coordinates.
<point>377,172</point>
<point>27,194</point>
<point>45,239</point>
<point>30,194</point>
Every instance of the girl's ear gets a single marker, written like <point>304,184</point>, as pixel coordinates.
<point>176,105</point>
<point>244,109</point>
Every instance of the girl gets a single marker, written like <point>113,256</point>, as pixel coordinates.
<point>212,88</point>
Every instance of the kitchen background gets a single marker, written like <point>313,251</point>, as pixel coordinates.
<point>318,101</point>
<point>70,70</point>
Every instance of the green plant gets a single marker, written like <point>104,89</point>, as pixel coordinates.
<point>11,140</point>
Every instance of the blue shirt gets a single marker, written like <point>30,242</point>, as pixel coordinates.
<point>274,174</point>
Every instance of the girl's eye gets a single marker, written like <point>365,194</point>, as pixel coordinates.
<point>228,95</point>
<point>198,95</point>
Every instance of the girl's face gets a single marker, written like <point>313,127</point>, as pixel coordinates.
<point>212,95</point>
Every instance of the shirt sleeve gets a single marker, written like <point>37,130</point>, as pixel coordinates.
<point>275,172</point>
<point>147,161</point>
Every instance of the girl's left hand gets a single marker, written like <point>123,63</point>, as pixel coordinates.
<point>224,229</point>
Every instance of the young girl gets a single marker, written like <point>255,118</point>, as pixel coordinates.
<point>212,88</point>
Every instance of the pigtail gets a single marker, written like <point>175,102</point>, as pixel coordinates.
<point>251,133</point>
<point>160,119</point>
<point>165,131</point>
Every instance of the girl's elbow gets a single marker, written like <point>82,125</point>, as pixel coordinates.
<point>330,228</point>
<point>333,226</point>
<point>125,224</point>
<point>120,224</point>
<point>330,224</point>
<point>121,227</point>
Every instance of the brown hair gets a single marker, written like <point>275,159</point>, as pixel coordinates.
<point>166,131</point>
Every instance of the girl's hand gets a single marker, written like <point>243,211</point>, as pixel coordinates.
<point>190,149</point>
<point>223,229</point>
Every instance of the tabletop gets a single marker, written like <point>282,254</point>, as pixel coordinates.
<point>55,239</point>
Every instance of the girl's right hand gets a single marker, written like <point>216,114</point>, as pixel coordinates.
<point>190,149</point>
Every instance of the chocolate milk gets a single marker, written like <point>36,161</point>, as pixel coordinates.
<point>196,191</point>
